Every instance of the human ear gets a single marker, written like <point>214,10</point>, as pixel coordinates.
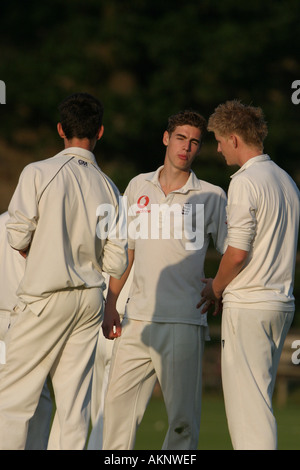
<point>166,138</point>
<point>234,140</point>
<point>100,133</point>
<point>60,131</point>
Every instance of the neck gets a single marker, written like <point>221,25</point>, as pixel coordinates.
<point>172,179</point>
<point>248,154</point>
<point>86,144</point>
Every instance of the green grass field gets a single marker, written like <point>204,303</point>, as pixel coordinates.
<point>214,434</point>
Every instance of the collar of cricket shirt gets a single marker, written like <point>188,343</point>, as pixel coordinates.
<point>260,158</point>
<point>80,153</point>
<point>193,183</point>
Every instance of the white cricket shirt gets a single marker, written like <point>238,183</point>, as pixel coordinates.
<point>170,235</point>
<point>263,218</point>
<point>54,209</point>
<point>12,268</point>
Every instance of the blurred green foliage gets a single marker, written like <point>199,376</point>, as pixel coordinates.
<point>146,60</point>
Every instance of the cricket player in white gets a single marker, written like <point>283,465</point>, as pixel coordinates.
<point>53,219</point>
<point>172,215</point>
<point>12,268</point>
<point>255,276</point>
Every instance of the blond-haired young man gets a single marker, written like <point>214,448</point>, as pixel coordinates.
<point>255,276</point>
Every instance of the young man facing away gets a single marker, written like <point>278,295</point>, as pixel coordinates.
<point>255,276</point>
<point>172,216</point>
<point>54,223</point>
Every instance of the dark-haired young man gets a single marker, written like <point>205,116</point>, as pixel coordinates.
<point>54,224</point>
<point>171,217</point>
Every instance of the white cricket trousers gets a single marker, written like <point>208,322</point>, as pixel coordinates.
<point>39,425</point>
<point>99,387</point>
<point>252,342</point>
<point>98,391</point>
<point>101,371</point>
<point>60,341</point>
<point>146,351</point>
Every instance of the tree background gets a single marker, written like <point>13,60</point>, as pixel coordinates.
<point>145,60</point>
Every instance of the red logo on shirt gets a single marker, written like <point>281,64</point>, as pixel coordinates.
<point>143,202</point>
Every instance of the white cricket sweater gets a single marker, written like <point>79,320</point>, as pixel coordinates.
<point>54,209</point>
<point>263,219</point>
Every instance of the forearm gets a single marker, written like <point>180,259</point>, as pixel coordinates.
<point>23,211</point>
<point>111,325</point>
<point>116,285</point>
<point>231,264</point>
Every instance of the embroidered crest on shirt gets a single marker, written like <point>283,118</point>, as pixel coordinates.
<point>186,208</point>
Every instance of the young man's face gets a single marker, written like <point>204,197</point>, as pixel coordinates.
<point>183,145</point>
<point>226,148</point>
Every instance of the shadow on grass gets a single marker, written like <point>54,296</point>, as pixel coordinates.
<point>214,433</point>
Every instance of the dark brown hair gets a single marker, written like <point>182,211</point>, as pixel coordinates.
<point>81,116</point>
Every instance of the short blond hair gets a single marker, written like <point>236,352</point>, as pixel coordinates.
<point>246,121</point>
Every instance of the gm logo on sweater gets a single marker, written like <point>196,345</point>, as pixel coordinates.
<point>2,92</point>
